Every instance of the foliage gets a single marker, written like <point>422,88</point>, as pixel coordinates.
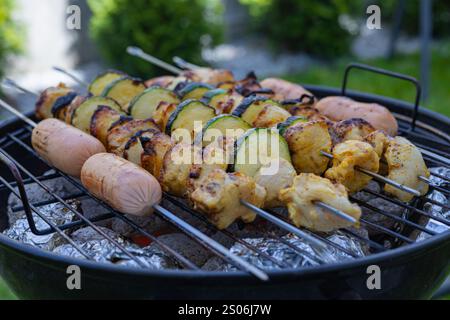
<point>304,25</point>
<point>10,41</point>
<point>160,27</point>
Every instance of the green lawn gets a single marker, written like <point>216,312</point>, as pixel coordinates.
<point>439,94</point>
<point>5,293</point>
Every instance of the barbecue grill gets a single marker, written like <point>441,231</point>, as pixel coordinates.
<point>409,269</point>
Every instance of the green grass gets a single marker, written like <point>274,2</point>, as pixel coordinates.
<point>439,93</point>
<point>5,293</point>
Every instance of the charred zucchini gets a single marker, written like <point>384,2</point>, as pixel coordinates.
<point>103,80</point>
<point>144,105</point>
<point>194,90</point>
<point>222,125</point>
<point>186,114</point>
<point>123,90</point>
<point>83,114</point>
<point>261,112</point>
<point>256,148</point>
<point>102,119</point>
<point>59,108</point>
<point>282,127</point>
<point>224,101</point>
<point>121,131</point>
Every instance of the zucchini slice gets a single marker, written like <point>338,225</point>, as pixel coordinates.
<point>261,112</point>
<point>123,90</point>
<point>72,106</point>
<point>224,101</point>
<point>255,148</point>
<point>194,90</point>
<point>102,119</point>
<point>103,80</point>
<point>186,113</point>
<point>144,105</point>
<point>222,125</point>
<point>48,98</point>
<point>133,149</point>
<point>282,127</point>
<point>82,115</point>
<point>59,108</point>
<point>121,131</point>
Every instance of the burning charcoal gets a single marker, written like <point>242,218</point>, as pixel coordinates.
<point>91,208</point>
<point>214,264</point>
<point>150,224</point>
<point>365,196</point>
<point>379,219</point>
<point>186,247</point>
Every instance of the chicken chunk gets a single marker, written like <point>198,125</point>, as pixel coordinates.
<point>346,157</point>
<point>306,140</point>
<point>219,197</point>
<point>207,75</point>
<point>155,149</point>
<point>405,165</point>
<point>162,114</point>
<point>309,112</point>
<point>300,200</point>
<point>350,129</point>
<point>274,183</point>
<point>378,140</point>
<point>284,89</point>
<point>47,98</point>
<point>270,116</point>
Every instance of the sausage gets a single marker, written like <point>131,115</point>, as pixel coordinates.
<point>342,108</point>
<point>123,185</point>
<point>284,90</point>
<point>63,146</point>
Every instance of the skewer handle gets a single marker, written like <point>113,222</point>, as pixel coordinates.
<point>11,83</point>
<point>71,75</point>
<point>138,52</point>
<point>17,113</point>
<point>180,62</point>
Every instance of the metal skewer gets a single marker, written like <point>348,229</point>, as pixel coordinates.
<point>71,75</point>
<point>180,62</point>
<point>138,52</point>
<point>11,83</point>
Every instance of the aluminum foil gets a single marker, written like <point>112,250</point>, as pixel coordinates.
<point>102,250</point>
<point>437,210</point>
<point>304,255</point>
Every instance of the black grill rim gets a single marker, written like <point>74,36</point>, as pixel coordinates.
<point>431,244</point>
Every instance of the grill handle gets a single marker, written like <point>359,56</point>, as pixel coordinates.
<point>388,73</point>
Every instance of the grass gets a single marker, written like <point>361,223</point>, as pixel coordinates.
<point>439,92</point>
<point>5,293</point>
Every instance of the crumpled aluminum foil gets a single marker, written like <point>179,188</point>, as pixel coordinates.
<point>291,257</point>
<point>437,210</point>
<point>55,212</point>
<point>102,250</point>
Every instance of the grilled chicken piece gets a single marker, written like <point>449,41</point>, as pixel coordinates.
<point>216,155</point>
<point>350,129</point>
<point>177,164</point>
<point>122,131</point>
<point>348,155</point>
<point>47,98</point>
<point>305,141</point>
<point>154,151</point>
<point>300,200</point>
<point>207,75</point>
<point>163,81</point>
<point>219,197</point>
<point>162,114</point>
<point>343,108</point>
<point>405,165</point>
<point>283,89</point>
<point>274,183</point>
<point>378,140</point>
<point>309,112</point>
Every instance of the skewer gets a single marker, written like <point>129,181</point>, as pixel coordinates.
<point>138,52</point>
<point>180,62</point>
<point>71,75</point>
<point>11,83</point>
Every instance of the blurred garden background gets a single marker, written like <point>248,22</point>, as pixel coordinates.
<point>305,41</point>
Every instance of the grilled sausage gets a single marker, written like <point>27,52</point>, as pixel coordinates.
<point>123,185</point>
<point>63,146</point>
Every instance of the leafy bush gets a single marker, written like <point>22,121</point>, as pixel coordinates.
<point>10,41</point>
<point>160,27</point>
<point>304,25</point>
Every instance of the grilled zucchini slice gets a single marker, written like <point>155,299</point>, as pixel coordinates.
<point>121,131</point>
<point>83,114</point>
<point>261,112</point>
<point>194,90</point>
<point>123,90</point>
<point>221,124</point>
<point>72,106</point>
<point>224,101</point>
<point>48,98</point>
<point>255,148</point>
<point>134,150</point>
<point>186,113</point>
<point>103,80</point>
<point>102,119</point>
<point>282,127</point>
<point>144,105</point>
<point>59,108</point>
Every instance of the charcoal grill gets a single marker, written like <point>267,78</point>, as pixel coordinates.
<point>408,270</point>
